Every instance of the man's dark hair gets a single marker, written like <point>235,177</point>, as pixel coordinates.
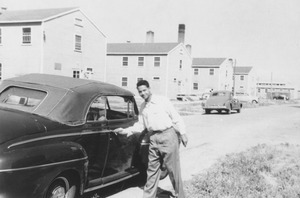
<point>142,82</point>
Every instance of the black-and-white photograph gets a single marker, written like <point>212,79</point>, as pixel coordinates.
<point>149,99</point>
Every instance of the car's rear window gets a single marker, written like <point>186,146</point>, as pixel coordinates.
<point>19,97</point>
<point>219,94</point>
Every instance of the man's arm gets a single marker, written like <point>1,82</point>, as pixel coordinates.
<point>177,121</point>
<point>137,127</point>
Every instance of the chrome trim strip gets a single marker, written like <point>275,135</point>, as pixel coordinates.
<point>57,136</point>
<point>41,166</point>
<point>110,183</point>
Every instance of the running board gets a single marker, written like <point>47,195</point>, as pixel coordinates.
<point>110,183</point>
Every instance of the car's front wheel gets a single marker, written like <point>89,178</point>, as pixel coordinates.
<point>207,111</point>
<point>254,102</point>
<point>61,187</point>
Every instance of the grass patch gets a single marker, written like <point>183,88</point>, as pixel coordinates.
<point>262,171</point>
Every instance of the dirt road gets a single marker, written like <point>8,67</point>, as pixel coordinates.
<point>215,135</point>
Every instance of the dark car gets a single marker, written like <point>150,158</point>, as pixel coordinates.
<point>280,97</point>
<point>56,136</point>
<point>222,101</point>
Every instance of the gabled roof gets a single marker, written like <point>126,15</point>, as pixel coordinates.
<point>242,70</point>
<point>40,15</point>
<point>207,62</point>
<point>140,48</point>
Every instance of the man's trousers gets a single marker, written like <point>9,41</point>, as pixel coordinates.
<point>163,151</point>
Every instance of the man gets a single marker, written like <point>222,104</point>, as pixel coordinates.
<point>160,118</point>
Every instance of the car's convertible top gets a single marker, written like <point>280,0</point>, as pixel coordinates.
<point>66,99</point>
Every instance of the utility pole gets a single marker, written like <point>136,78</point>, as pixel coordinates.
<point>234,65</point>
<point>271,85</point>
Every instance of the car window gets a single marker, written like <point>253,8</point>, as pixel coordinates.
<point>218,94</point>
<point>20,97</point>
<point>110,108</point>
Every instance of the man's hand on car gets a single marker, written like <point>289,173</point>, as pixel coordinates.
<point>122,131</point>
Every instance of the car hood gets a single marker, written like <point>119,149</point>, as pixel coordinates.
<point>14,124</point>
<point>216,101</point>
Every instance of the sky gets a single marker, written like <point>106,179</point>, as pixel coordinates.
<point>264,34</point>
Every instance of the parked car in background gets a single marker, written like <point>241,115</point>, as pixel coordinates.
<point>244,97</point>
<point>280,97</point>
<point>56,136</point>
<point>222,101</point>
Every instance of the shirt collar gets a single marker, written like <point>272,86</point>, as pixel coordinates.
<point>154,100</point>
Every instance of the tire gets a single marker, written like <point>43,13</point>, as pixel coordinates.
<point>207,111</point>
<point>61,187</point>
<point>238,110</point>
<point>254,102</point>
<point>219,111</point>
<point>228,111</point>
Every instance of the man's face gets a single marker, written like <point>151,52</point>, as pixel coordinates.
<point>144,92</point>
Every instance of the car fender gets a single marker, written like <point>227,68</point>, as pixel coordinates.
<point>24,164</point>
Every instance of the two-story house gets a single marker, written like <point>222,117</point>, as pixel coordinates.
<point>212,74</point>
<point>165,65</point>
<point>62,41</point>
<point>245,80</point>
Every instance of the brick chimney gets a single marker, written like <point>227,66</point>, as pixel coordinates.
<point>181,32</point>
<point>150,37</point>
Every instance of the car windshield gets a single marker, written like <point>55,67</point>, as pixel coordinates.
<point>21,98</point>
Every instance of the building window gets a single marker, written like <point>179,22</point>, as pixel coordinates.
<point>180,64</point>
<point>57,66</point>
<point>78,42</point>
<point>156,78</point>
<point>0,71</point>
<point>196,71</point>
<point>125,61</point>
<point>88,73</point>
<point>140,61</point>
<point>156,61</point>
<point>139,79</point>
<point>76,74</point>
<point>195,86</point>
<point>0,36</point>
<point>78,22</point>
<point>124,81</point>
<point>241,77</point>
<point>26,35</point>
<point>211,72</point>
<point>258,90</point>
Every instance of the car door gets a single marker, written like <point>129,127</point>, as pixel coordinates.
<point>95,140</point>
<point>120,113</point>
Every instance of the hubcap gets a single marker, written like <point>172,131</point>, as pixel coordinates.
<point>58,192</point>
